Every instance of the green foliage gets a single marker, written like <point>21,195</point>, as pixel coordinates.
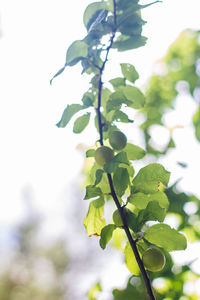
<point>129,72</point>
<point>99,175</point>
<point>141,200</point>
<point>180,65</point>
<point>118,25</point>
<point>20,276</point>
<point>93,292</point>
<point>134,95</point>
<point>134,152</point>
<point>76,52</point>
<point>121,180</point>
<point>120,158</point>
<point>106,235</point>
<point>165,237</point>
<point>151,179</point>
<point>133,290</point>
<point>130,259</point>
<point>68,113</point>
<point>94,221</point>
<point>153,212</point>
<point>92,192</point>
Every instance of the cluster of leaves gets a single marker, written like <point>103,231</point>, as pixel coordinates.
<point>173,277</point>
<point>178,73</point>
<point>118,25</point>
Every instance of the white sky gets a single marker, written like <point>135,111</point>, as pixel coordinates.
<point>34,152</point>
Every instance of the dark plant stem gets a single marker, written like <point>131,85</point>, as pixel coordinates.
<point>131,241</point>
<point>113,193</point>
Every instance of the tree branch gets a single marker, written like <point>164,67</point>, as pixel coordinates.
<point>113,193</point>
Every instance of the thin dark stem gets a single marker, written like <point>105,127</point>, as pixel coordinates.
<point>113,193</point>
<point>131,241</point>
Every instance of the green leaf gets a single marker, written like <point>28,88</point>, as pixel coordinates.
<point>141,200</point>
<point>99,175</point>
<point>115,101</point>
<point>134,95</point>
<point>76,51</point>
<point>129,72</point>
<point>151,178</point>
<point>134,152</point>
<point>90,153</point>
<point>120,116</point>
<point>92,192</point>
<point>91,13</point>
<point>165,237</point>
<point>153,212</point>
<point>196,122</point>
<point>131,220</point>
<point>131,262</point>
<point>124,42</point>
<point>68,113</point>
<point>120,158</point>
<point>57,74</point>
<point>106,235</point>
<point>121,181</point>
<point>94,221</point>
<point>94,291</point>
<point>81,123</point>
<point>116,82</point>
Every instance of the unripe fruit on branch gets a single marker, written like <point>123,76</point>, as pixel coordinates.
<point>153,259</point>
<point>117,140</point>
<point>103,155</point>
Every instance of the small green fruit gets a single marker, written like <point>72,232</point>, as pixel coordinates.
<point>153,259</point>
<point>117,140</point>
<point>117,218</point>
<point>103,155</point>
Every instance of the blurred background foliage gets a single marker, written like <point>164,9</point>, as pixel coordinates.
<point>177,73</point>
<point>32,269</point>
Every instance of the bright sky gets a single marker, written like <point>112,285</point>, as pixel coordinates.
<point>34,152</point>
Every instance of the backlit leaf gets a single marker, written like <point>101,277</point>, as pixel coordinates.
<point>106,235</point>
<point>94,221</point>
<point>153,212</point>
<point>129,72</point>
<point>166,237</point>
<point>151,179</point>
<point>81,123</point>
<point>120,158</point>
<point>116,82</point>
<point>75,52</point>
<point>134,152</point>
<point>134,95</point>
<point>124,42</point>
<point>68,113</point>
<point>91,13</point>
<point>121,180</point>
<point>130,259</point>
<point>141,200</point>
<point>92,192</point>
<point>99,175</point>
